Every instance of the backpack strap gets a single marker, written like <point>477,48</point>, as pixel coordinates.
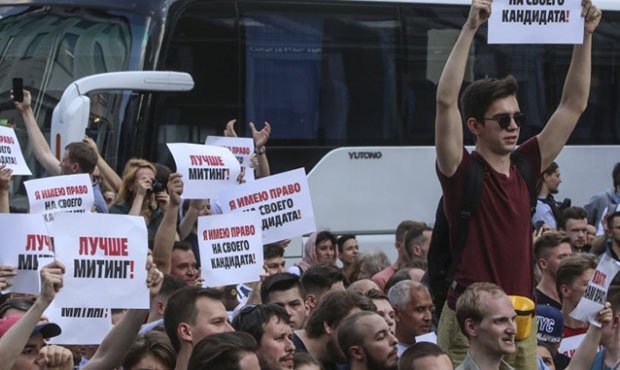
<point>525,169</point>
<point>469,205</point>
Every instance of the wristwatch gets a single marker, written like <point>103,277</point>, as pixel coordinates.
<point>260,150</point>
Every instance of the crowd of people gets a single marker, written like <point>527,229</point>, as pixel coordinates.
<point>339,308</point>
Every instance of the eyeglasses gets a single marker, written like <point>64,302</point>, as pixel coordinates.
<point>504,119</point>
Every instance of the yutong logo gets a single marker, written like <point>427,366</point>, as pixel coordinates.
<point>365,155</point>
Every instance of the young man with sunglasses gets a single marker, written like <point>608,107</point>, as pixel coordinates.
<point>498,248</point>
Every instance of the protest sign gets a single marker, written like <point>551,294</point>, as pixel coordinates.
<point>27,247</point>
<point>283,201</point>
<point>536,22</point>
<point>11,153</point>
<point>569,345</point>
<point>241,147</point>
<point>206,169</point>
<point>69,193</point>
<point>73,321</point>
<point>231,248</point>
<point>593,299</point>
<point>104,266</point>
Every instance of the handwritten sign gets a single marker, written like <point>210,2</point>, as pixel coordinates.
<point>593,299</point>
<point>105,266</point>
<point>73,321</point>
<point>241,147</point>
<point>283,201</point>
<point>206,169</point>
<point>11,153</point>
<point>69,193</point>
<point>536,22</point>
<point>26,246</point>
<point>231,248</point>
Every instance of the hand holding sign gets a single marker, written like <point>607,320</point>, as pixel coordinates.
<point>5,178</point>
<point>51,281</point>
<point>605,316</point>
<point>592,16</point>
<point>55,357</point>
<point>154,277</point>
<point>175,188</point>
<point>6,273</point>
<point>479,13</point>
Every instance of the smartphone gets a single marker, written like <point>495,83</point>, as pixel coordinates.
<point>18,89</point>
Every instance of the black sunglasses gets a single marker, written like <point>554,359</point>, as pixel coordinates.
<point>504,119</point>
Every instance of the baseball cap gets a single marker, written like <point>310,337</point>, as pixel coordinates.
<point>550,324</point>
<point>47,330</point>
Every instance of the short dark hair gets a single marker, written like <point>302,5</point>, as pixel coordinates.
<point>550,170</point>
<point>376,294</point>
<point>252,319</point>
<point>82,154</point>
<point>325,235</point>
<point>222,351</point>
<point>170,284</point>
<point>333,308</point>
<point>402,229</point>
<point>400,275</point>
<point>319,278</point>
<point>349,332</point>
<point>181,307</point>
<point>415,236</point>
<point>22,304</point>
<point>480,94</point>
<point>549,240</point>
<point>155,343</point>
<point>303,358</point>
<point>272,250</point>
<point>615,174</point>
<point>610,219</point>
<point>279,282</point>
<point>416,351</point>
<point>343,239</point>
<point>182,245</point>
<point>571,267</point>
<point>575,213</point>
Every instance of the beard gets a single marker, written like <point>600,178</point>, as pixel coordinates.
<point>373,364</point>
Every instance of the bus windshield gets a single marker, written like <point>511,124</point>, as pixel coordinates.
<point>51,46</point>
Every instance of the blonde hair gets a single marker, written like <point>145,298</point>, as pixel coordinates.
<point>129,177</point>
<point>470,304</point>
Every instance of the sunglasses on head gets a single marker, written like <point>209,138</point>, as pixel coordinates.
<point>504,119</point>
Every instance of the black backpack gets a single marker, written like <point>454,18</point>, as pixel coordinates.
<point>442,261</point>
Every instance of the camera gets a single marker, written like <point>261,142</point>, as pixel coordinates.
<point>158,187</point>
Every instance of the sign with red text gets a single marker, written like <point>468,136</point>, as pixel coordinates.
<point>68,193</point>
<point>241,147</point>
<point>11,153</point>
<point>536,22</point>
<point>206,169</point>
<point>104,257</point>
<point>231,248</point>
<point>594,297</point>
<point>74,320</point>
<point>26,246</point>
<point>282,200</point>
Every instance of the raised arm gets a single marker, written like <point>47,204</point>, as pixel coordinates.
<point>109,175</point>
<point>575,93</point>
<point>448,127</point>
<point>40,147</point>
<point>167,231</point>
<point>5,184</point>
<point>585,353</point>
<point>116,344</point>
<point>260,140</point>
<point>14,340</point>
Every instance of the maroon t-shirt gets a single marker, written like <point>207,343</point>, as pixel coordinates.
<point>499,242</point>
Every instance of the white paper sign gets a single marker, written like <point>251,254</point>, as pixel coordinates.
<point>569,345</point>
<point>283,201</point>
<point>241,147</point>
<point>11,153</point>
<point>68,193</point>
<point>593,299</point>
<point>206,169</point>
<point>26,246</point>
<point>104,257</point>
<point>231,248</point>
<point>80,325</point>
<point>528,22</point>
